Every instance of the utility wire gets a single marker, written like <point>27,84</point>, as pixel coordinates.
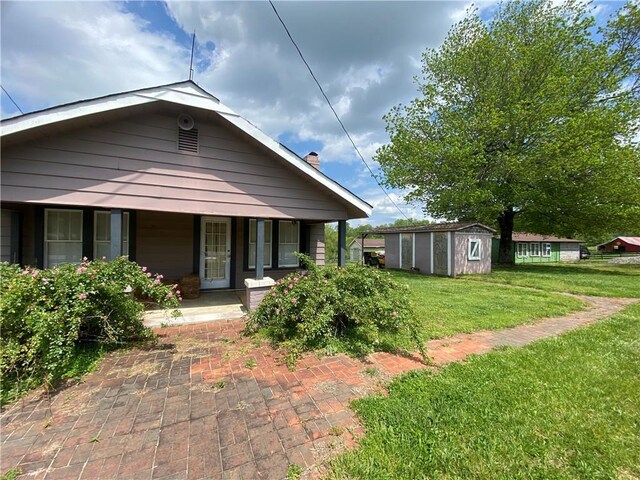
<point>12,100</point>
<point>333,110</point>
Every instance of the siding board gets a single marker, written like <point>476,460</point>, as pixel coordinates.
<point>134,164</point>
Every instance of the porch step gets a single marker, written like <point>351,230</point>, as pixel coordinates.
<point>156,318</point>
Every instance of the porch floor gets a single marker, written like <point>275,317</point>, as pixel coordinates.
<point>209,306</point>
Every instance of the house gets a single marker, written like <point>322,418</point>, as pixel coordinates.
<point>170,177</point>
<point>621,245</point>
<point>534,248</point>
<point>449,249</point>
<point>359,246</point>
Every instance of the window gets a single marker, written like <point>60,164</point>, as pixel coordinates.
<point>102,234</point>
<point>521,250</point>
<point>253,233</point>
<point>63,237</point>
<point>546,249</point>
<point>474,249</point>
<point>534,249</point>
<point>289,242</point>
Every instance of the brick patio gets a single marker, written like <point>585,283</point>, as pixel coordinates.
<point>207,403</point>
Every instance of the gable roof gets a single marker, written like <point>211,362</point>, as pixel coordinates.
<point>369,242</point>
<point>534,237</point>
<point>627,240</point>
<point>182,93</point>
<point>432,227</point>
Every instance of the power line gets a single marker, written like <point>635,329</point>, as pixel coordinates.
<point>12,100</point>
<point>333,110</point>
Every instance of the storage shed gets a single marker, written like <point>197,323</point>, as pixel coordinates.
<point>621,245</point>
<point>439,248</point>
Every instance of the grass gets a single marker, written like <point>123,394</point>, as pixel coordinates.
<point>85,358</point>
<point>447,306</point>
<point>567,407</point>
<point>584,278</point>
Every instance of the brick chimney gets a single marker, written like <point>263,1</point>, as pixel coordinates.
<point>312,159</point>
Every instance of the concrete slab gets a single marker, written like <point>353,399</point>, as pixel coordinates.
<point>209,307</point>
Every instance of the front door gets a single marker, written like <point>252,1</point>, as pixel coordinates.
<point>215,252</point>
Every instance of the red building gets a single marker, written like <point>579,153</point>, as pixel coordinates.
<point>621,245</point>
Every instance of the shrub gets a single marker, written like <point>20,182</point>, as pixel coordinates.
<point>355,306</point>
<point>45,314</point>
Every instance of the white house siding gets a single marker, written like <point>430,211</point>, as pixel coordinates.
<point>569,252</point>
<point>134,164</point>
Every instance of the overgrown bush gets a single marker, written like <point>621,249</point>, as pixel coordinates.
<point>46,314</point>
<point>352,308</point>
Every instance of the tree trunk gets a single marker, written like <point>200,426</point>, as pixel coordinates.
<point>505,250</point>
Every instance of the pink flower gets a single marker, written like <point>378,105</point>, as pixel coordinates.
<point>104,258</point>
<point>273,295</point>
<point>294,300</point>
<point>35,274</point>
<point>290,286</point>
<point>285,291</point>
<point>45,281</point>
<point>156,281</point>
<point>82,296</point>
<point>81,270</point>
<point>149,274</point>
<point>144,269</point>
<point>179,299</point>
<point>26,271</point>
<point>394,314</point>
<point>170,295</point>
<point>177,292</point>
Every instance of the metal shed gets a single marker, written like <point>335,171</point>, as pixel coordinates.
<point>447,249</point>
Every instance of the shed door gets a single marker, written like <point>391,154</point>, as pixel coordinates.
<point>440,253</point>
<point>215,252</point>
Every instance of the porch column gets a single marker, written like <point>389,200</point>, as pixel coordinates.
<point>342,242</point>
<point>116,233</point>
<point>259,248</point>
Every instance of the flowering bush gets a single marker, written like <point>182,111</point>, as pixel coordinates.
<point>355,306</point>
<point>44,314</point>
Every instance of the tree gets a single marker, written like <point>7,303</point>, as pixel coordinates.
<point>526,121</point>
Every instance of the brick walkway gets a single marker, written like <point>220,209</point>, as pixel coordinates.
<point>207,403</point>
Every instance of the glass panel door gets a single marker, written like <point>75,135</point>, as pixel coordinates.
<point>215,252</point>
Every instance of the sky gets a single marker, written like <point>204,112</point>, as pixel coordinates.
<point>364,54</point>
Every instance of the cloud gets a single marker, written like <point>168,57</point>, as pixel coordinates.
<point>365,55</point>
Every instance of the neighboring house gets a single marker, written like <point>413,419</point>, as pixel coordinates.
<point>356,248</point>
<point>439,248</point>
<point>534,248</point>
<point>621,245</point>
<point>170,177</point>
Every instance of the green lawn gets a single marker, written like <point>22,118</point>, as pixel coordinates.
<point>566,407</point>
<point>446,306</point>
<point>586,278</point>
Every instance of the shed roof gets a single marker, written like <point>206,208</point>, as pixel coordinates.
<point>369,242</point>
<point>432,227</point>
<point>186,93</point>
<point>534,237</point>
<point>627,240</point>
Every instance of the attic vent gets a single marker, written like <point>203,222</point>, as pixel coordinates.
<point>188,140</point>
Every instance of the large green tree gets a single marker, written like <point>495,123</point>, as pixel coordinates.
<point>529,120</point>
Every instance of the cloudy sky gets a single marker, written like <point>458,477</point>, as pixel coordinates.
<point>365,55</point>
